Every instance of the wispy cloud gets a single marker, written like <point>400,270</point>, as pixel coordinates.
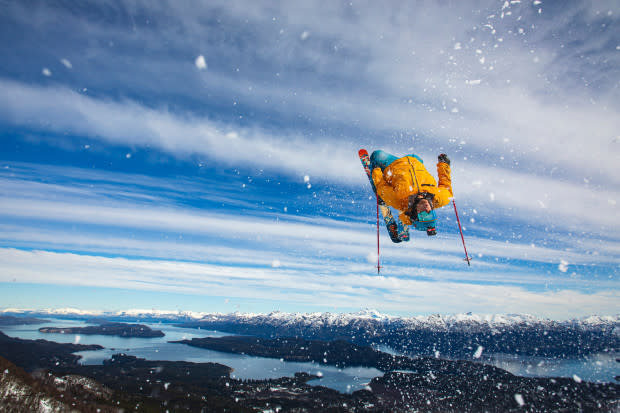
<point>126,224</point>
<point>416,84</point>
<point>183,136</point>
<point>319,290</point>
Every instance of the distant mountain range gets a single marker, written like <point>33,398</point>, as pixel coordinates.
<point>464,336</point>
<point>436,321</point>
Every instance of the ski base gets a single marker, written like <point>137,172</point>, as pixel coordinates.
<point>390,223</point>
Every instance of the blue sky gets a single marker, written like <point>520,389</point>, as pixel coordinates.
<point>203,156</point>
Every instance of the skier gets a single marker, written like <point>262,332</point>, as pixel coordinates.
<point>406,185</point>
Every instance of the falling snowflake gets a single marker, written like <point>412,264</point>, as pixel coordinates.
<point>478,352</point>
<point>519,399</point>
<point>200,62</point>
<point>66,63</point>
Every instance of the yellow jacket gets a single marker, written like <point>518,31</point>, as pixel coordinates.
<point>407,176</point>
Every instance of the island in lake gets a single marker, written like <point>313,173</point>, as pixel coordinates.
<point>8,320</point>
<point>108,329</point>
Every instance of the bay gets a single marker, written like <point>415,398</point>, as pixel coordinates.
<point>598,367</point>
<point>244,367</point>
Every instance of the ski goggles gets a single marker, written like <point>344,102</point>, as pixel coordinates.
<point>426,221</point>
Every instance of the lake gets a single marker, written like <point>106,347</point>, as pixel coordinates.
<point>596,368</point>
<point>599,367</point>
<point>244,366</point>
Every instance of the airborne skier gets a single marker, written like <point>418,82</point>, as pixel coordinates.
<point>405,184</point>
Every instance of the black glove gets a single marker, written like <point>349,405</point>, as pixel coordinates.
<point>443,158</point>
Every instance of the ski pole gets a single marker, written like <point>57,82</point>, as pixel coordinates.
<point>378,262</point>
<point>467,258</point>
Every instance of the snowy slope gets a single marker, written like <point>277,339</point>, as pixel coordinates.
<point>366,317</point>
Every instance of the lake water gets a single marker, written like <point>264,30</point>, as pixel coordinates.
<point>596,368</point>
<point>344,380</point>
<point>599,367</point>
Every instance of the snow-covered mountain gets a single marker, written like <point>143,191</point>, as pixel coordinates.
<point>47,393</point>
<point>452,336</point>
<point>463,336</point>
<point>368,317</point>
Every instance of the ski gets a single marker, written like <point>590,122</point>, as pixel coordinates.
<point>388,218</point>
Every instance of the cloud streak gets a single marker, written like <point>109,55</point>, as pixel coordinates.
<point>508,114</point>
<point>183,136</point>
<point>126,226</point>
<point>320,291</point>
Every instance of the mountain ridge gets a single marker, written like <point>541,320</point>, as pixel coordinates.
<point>432,320</point>
<point>460,336</point>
